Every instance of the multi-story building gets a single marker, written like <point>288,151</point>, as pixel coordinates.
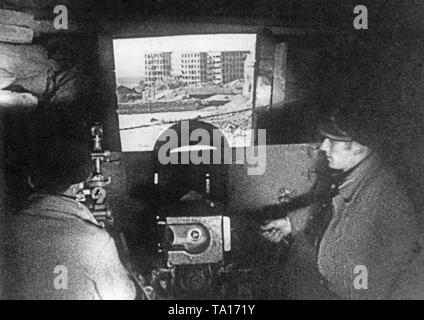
<point>157,67</point>
<point>193,67</point>
<point>218,67</point>
<point>214,67</point>
<point>233,65</point>
<point>176,61</point>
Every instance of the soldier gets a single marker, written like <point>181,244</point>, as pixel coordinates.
<point>356,243</point>
<point>60,251</point>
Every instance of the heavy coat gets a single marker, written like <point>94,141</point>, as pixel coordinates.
<point>369,243</point>
<point>61,252</point>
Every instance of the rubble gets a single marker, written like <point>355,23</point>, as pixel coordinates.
<point>231,113</point>
<point>216,100</point>
<point>126,94</point>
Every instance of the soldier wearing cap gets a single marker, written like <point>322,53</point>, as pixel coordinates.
<point>358,242</point>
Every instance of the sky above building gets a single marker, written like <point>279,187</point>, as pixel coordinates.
<point>129,53</point>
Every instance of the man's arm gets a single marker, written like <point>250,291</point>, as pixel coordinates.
<point>292,224</point>
<point>288,217</point>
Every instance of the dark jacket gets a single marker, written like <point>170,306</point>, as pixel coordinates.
<point>370,240</point>
<point>61,252</point>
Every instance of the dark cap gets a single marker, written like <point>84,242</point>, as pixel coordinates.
<point>349,124</point>
<point>59,163</point>
<point>330,128</point>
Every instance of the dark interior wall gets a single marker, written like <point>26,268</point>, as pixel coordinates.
<point>288,123</point>
<point>402,94</point>
<point>303,61</point>
<point>287,167</point>
<point>3,217</point>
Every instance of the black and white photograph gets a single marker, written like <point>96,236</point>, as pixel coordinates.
<point>211,155</point>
